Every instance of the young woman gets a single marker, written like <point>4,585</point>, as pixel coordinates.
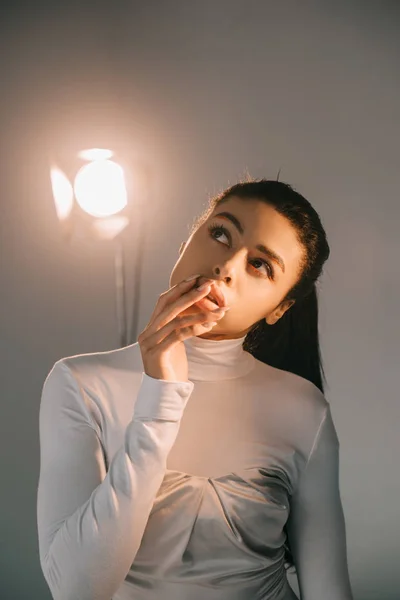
<point>202,461</point>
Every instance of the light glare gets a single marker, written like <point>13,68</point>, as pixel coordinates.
<point>100,188</point>
<point>95,154</point>
<point>109,228</point>
<point>62,192</point>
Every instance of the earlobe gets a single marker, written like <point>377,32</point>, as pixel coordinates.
<point>275,316</point>
<point>271,319</point>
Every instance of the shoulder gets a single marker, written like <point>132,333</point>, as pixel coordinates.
<point>295,392</point>
<point>93,380</point>
<point>94,365</point>
<point>297,402</point>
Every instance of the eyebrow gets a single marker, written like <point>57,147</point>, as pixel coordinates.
<point>267,251</point>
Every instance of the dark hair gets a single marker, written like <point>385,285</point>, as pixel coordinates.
<point>292,343</point>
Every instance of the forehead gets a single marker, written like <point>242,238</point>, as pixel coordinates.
<point>252,212</point>
<point>259,218</point>
<point>262,224</point>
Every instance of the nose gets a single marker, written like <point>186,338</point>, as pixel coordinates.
<point>217,274</point>
<point>213,277</point>
<point>222,273</point>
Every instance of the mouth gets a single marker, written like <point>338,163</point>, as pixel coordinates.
<point>216,295</point>
<point>212,299</point>
<point>206,303</point>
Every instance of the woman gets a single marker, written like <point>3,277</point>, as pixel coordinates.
<point>202,461</point>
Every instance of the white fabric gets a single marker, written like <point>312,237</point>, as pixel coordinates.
<point>151,489</point>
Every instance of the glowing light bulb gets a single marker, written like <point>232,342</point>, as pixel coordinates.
<point>100,188</point>
<point>95,154</point>
<point>62,192</point>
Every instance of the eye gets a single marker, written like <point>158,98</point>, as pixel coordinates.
<point>216,229</point>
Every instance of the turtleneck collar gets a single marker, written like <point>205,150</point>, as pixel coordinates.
<point>215,360</point>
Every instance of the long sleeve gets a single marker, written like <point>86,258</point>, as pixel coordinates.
<point>316,526</point>
<point>91,521</point>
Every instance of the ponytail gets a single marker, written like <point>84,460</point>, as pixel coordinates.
<point>292,343</point>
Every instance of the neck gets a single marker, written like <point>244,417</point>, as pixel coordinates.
<point>214,360</point>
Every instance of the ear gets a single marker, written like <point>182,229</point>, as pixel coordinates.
<point>182,247</point>
<point>273,317</point>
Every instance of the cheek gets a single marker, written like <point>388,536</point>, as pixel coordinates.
<point>255,307</point>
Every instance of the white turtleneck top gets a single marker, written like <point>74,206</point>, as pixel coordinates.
<point>160,490</point>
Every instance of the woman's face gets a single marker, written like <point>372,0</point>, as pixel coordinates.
<point>252,283</point>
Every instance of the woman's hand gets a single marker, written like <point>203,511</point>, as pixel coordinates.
<point>174,319</point>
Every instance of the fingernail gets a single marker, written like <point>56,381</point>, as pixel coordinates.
<point>203,286</point>
<point>193,277</point>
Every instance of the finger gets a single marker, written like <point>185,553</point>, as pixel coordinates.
<point>185,326</point>
<point>177,336</point>
<point>173,293</point>
<point>182,303</point>
<point>172,315</point>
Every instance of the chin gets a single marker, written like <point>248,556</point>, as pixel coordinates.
<point>210,335</point>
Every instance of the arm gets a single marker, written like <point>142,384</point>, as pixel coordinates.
<point>91,522</point>
<point>316,525</point>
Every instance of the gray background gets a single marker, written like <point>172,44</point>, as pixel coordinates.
<point>204,91</point>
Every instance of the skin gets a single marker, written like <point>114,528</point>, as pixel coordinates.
<point>236,266</point>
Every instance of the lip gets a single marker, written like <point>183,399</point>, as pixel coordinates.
<point>205,303</point>
<point>217,293</point>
